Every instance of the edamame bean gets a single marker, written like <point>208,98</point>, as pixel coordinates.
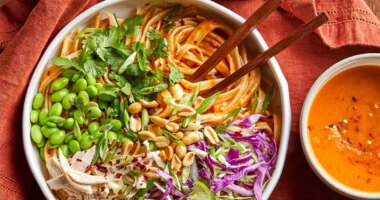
<point>74,146</point>
<point>86,142</point>
<point>68,138</point>
<point>116,125</point>
<point>78,117</point>
<point>93,127</point>
<point>93,112</point>
<point>65,150</point>
<point>42,143</point>
<point>48,132</point>
<point>36,134</point>
<point>50,124</point>
<point>42,153</point>
<point>34,116</point>
<point>80,85</point>
<point>122,139</point>
<point>76,76</point>
<point>92,91</point>
<point>69,73</point>
<point>43,115</point>
<point>58,137</point>
<point>83,97</point>
<point>59,95</point>
<point>111,135</point>
<point>100,87</point>
<point>68,101</point>
<point>51,145</point>
<point>69,123</point>
<point>38,101</point>
<point>90,79</point>
<point>56,110</point>
<point>59,83</point>
<point>92,104</point>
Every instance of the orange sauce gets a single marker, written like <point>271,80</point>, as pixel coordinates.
<point>344,128</point>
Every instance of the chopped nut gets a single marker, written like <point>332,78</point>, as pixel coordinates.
<point>146,135</point>
<point>149,104</point>
<point>161,122</point>
<point>190,138</point>
<point>134,108</point>
<point>176,163</point>
<point>188,159</point>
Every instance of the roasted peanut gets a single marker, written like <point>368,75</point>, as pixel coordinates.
<point>180,151</point>
<point>162,156</point>
<point>211,135</point>
<point>161,122</point>
<point>135,124</point>
<point>148,104</point>
<point>154,129</point>
<point>127,147</point>
<point>175,118</point>
<point>176,91</point>
<point>161,141</point>
<point>179,135</point>
<point>186,111</point>
<point>172,127</point>
<point>151,173</point>
<point>137,148</point>
<point>176,163</point>
<point>146,135</point>
<point>169,152</point>
<point>134,108</point>
<point>188,159</point>
<point>190,138</point>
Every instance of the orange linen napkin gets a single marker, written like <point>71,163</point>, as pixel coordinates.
<point>25,29</point>
<point>301,63</point>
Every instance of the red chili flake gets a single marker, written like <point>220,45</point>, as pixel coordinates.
<point>146,162</point>
<point>111,191</point>
<point>120,192</point>
<point>88,168</point>
<point>354,99</point>
<point>117,161</point>
<point>48,72</point>
<point>180,20</point>
<point>310,128</point>
<point>238,134</point>
<point>110,163</point>
<point>102,169</point>
<point>138,164</point>
<point>102,188</point>
<point>50,151</point>
<point>143,168</point>
<point>79,160</point>
<point>104,115</point>
<point>118,175</point>
<point>84,125</point>
<point>118,145</point>
<point>179,173</point>
<point>134,159</point>
<point>101,163</point>
<point>65,114</point>
<point>125,130</point>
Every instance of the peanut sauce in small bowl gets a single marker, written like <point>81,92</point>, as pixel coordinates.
<point>340,127</point>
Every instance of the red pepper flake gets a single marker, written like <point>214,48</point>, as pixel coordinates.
<point>88,168</point>
<point>102,188</point>
<point>134,159</point>
<point>84,125</point>
<point>65,114</point>
<point>118,175</point>
<point>79,160</point>
<point>179,173</point>
<point>146,162</point>
<point>125,130</point>
<point>354,99</point>
<point>310,128</point>
<point>144,156</point>
<point>238,134</point>
<point>143,168</point>
<point>102,169</point>
<point>110,163</point>
<point>120,192</point>
<point>138,164</point>
<point>117,161</point>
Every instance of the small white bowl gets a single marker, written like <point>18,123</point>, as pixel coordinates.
<point>348,63</point>
<point>126,8</point>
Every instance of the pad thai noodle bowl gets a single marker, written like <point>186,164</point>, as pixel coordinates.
<point>115,117</point>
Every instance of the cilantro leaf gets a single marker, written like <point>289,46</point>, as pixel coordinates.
<point>175,75</point>
<point>153,35</point>
<point>133,70</point>
<point>169,26</point>
<point>142,55</point>
<point>172,12</point>
<point>132,25</point>
<point>162,48</point>
<point>95,67</point>
<point>65,62</point>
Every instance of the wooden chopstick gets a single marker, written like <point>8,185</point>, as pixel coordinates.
<point>246,28</point>
<point>264,56</point>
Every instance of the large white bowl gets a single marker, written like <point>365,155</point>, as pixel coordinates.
<point>126,8</point>
<point>348,63</point>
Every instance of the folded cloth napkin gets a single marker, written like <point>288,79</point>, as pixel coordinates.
<point>26,27</point>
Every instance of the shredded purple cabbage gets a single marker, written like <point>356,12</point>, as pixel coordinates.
<point>169,180</point>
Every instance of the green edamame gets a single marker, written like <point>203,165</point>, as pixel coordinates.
<point>56,110</point>
<point>42,143</point>
<point>74,146</point>
<point>99,86</point>
<point>51,145</point>
<point>65,150</point>
<point>93,112</point>
<point>68,101</point>
<point>83,97</point>
<point>38,101</point>
<point>90,79</point>
<point>34,116</point>
<point>42,153</point>
<point>48,132</point>
<point>58,137</point>
<point>68,138</point>
<point>78,117</point>
<point>116,125</point>
<point>36,134</point>
<point>86,142</point>
<point>69,73</point>
<point>92,91</point>
<point>76,76</point>
<point>43,115</point>
<point>59,95</point>
<point>111,135</point>
<point>69,123</point>
<point>50,124</point>
<point>59,83</point>
<point>92,104</point>
<point>93,127</point>
<point>80,85</point>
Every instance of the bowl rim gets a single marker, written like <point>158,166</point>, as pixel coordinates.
<point>44,60</point>
<point>323,175</point>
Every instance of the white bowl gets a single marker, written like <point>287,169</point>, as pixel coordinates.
<point>348,63</point>
<point>123,9</point>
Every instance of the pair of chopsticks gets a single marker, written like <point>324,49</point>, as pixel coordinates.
<point>263,12</point>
